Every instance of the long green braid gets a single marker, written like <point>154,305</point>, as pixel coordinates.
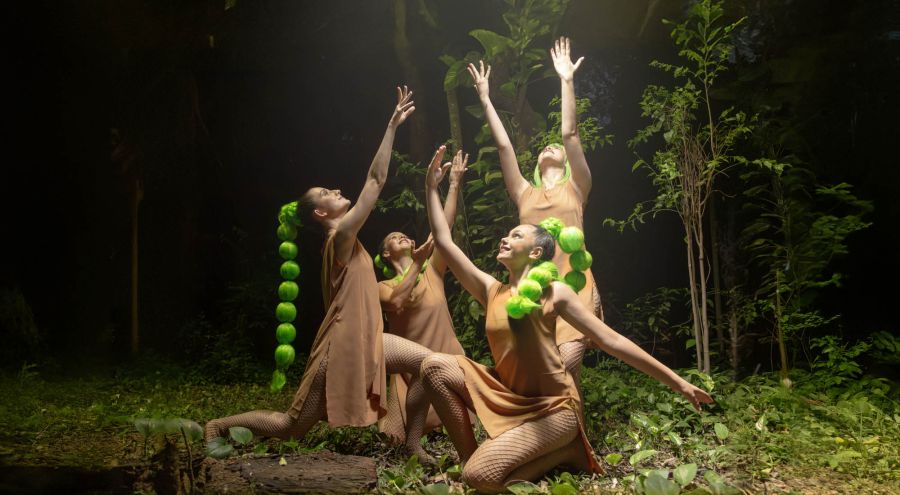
<point>288,291</point>
<point>571,241</point>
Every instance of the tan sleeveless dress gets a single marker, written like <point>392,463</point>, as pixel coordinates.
<point>529,380</point>
<point>564,203</point>
<point>351,338</point>
<point>425,320</point>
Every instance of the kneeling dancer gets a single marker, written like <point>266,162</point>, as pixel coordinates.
<point>345,375</point>
<point>528,403</point>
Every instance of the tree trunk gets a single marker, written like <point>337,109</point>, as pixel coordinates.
<point>137,195</point>
<point>455,126</point>
<point>418,127</point>
<point>695,313</point>
<point>733,334</point>
<point>779,329</point>
<point>716,273</point>
<point>704,310</point>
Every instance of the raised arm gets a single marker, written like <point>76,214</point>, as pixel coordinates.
<point>512,176</point>
<point>394,299</point>
<point>562,62</point>
<point>472,279</point>
<point>573,311</point>
<point>457,170</point>
<point>349,224</point>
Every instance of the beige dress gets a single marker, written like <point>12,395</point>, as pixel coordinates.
<point>424,320</point>
<point>564,203</point>
<point>350,337</point>
<point>529,380</point>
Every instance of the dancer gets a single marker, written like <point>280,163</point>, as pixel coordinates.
<point>562,185</point>
<point>527,403</point>
<point>416,309</point>
<point>345,375</point>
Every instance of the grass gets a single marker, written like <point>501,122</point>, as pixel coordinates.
<point>759,436</point>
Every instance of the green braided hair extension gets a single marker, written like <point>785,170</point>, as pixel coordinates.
<point>288,291</point>
<point>537,169</point>
<point>386,270</point>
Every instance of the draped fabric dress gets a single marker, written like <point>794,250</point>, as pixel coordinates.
<point>350,337</point>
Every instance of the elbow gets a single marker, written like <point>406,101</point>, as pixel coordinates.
<point>570,135</point>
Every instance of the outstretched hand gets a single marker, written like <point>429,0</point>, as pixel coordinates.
<point>694,395</point>
<point>562,59</point>
<point>405,106</point>
<point>458,166</point>
<point>435,173</point>
<point>480,76</point>
<point>423,252</point>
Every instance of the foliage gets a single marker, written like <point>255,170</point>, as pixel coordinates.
<point>646,320</point>
<point>696,147</point>
<point>22,338</point>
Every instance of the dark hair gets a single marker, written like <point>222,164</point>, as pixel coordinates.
<point>545,240</point>
<point>305,208</point>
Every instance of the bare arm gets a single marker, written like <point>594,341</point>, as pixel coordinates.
<point>576,314</point>
<point>472,279</point>
<point>350,223</point>
<point>562,62</point>
<point>512,176</point>
<point>457,169</point>
<point>395,299</point>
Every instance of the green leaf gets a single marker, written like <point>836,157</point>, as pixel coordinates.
<point>143,426</point>
<point>241,435</point>
<point>641,455</point>
<point>261,448</point>
<point>674,438</point>
<point>219,448</point>
<point>721,431</point>
<point>492,42</point>
<point>563,489</point>
<point>613,459</point>
<point>524,488</point>
<point>685,474</point>
<point>657,485</point>
<point>193,430</point>
<point>435,489</point>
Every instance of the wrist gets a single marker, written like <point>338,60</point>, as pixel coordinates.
<point>567,79</point>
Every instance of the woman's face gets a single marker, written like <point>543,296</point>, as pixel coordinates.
<point>329,202</point>
<point>518,248</point>
<point>397,245</point>
<point>551,155</point>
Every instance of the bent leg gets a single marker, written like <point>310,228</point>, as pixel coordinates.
<point>445,385</point>
<point>526,451</point>
<point>405,356</point>
<point>278,424</point>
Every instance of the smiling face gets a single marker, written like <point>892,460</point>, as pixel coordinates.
<point>520,248</point>
<point>329,203</point>
<point>395,246</point>
<point>553,155</point>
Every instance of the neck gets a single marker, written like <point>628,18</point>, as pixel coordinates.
<point>552,175</point>
<point>401,265</point>
<point>517,274</point>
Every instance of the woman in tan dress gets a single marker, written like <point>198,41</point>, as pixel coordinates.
<point>416,309</point>
<point>562,186</point>
<point>527,403</point>
<point>345,375</point>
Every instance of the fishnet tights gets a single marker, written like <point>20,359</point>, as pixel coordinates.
<point>445,385</point>
<point>400,355</point>
<point>525,452</point>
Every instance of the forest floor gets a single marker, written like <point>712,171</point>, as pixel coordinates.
<point>86,425</point>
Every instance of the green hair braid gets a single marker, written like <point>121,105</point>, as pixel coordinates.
<point>288,290</point>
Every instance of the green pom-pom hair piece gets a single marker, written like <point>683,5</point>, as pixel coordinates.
<point>540,276</point>
<point>286,232</point>
<point>285,333</point>
<point>286,312</point>
<point>284,356</point>
<point>278,380</point>
<point>571,239</point>
<point>290,270</point>
<point>530,289</point>
<point>550,267</point>
<point>288,291</point>
<point>581,260</point>
<point>552,225</point>
<point>288,250</point>
<point>519,306</point>
<point>288,215</point>
<point>576,280</point>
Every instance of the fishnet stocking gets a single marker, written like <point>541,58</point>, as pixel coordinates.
<point>406,356</point>
<point>524,452</point>
<point>277,424</point>
<point>445,385</point>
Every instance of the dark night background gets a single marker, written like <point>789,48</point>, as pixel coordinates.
<point>296,94</point>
